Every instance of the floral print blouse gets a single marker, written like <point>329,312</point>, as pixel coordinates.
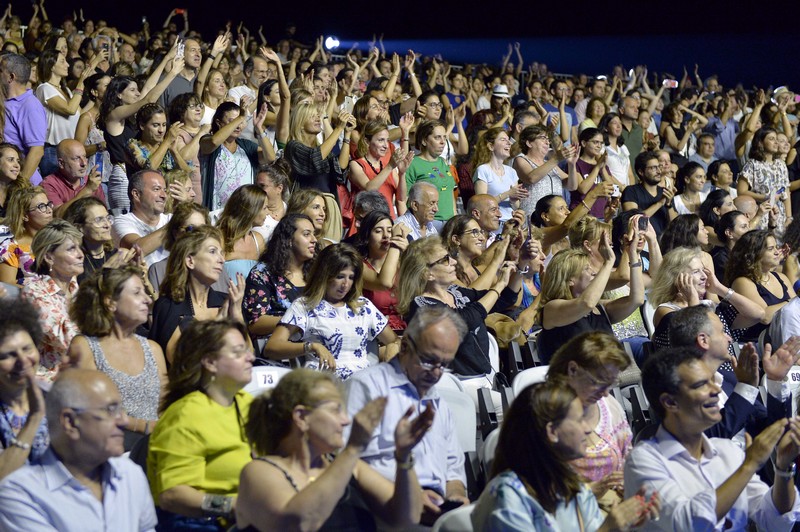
<point>267,294</point>
<point>59,330</point>
<point>15,255</point>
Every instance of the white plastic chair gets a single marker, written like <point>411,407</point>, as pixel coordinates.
<point>265,378</point>
<point>494,353</point>
<point>463,408</point>
<point>527,377</point>
<point>458,520</point>
<point>488,450</point>
<point>450,381</point>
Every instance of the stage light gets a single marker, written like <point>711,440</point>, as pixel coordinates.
<point>331,43</point>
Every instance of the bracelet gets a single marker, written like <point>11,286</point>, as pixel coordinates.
<point>216,505</point>
<point>495,291</point>
<point>264,134</point>
<point>636,264</point>
<point>346,141</point>
<point>785,473</point>
<point>405,139</point>
<point>307,347</point>
<point>27,446</point>
<point>584,204</point>
<point>729,295</point>
<point>77,91</point>
<point>212,56</point>
<point>405,465</point>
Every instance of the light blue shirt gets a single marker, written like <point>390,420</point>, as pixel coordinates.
<point>505,505</point>
<point>688,487</point>
<point>438,457</point>
<point>409,221</point>
<point>46,496</point>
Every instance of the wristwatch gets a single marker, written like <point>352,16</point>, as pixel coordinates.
<point>786,473</point>
<point>307,348</point>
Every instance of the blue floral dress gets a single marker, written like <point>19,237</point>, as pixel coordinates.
<point>344,332</point>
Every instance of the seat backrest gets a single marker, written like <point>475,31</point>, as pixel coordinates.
<point>265,378</point>
<point>458,520</point>
<point>494,353</point>
<point>528,377</point>
<point>488,450</point>
<point>450,381</point>
<point>794,386</point>
<point>463,408</point>
<point>648,312</point>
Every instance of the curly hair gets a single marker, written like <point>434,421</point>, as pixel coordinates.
<point>681,232</point>
<point>89,308</point>
<point>271,414</point>
<point>146,113</point>
<point>202,339</point>
<point>76,214</point>
<point>278,252</point>
<point>176,282</point>
<point>525,449</point>
<point>483,150</point>
<point>663,289</point>
<point>329,263</point>
<point>19,315</point>
<point>180,104</point>
<point>745,258</point>
<point>529,134</point>
<point>239,214</point>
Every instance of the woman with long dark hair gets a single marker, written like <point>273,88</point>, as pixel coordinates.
<point>765,177</point>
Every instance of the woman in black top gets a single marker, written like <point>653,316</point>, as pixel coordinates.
<point>571,290</point>
<point>427,277</point>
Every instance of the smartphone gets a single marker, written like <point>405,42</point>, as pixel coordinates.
<point>181,49</point>
<point>180,11</point>
<point>446,506</point>
<point>616,192</point>
<point>643,221</point>
<point>670,83</point>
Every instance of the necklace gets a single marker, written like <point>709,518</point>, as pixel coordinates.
<point>769,277</point>
<point>380,165</point>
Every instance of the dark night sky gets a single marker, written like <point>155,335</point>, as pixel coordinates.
<point>710,32</point>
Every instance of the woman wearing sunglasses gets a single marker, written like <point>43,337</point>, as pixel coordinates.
<point>427,278</point>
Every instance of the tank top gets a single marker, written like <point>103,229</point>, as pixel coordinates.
<point>117,145</point>
<point>140,393</point>
<point>551,339</point>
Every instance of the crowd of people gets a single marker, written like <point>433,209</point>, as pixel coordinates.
<point>176,208</point>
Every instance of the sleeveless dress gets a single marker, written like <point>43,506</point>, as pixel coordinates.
<point>140,393</point>
<point>752,333</point>
<point>243,266</point>
<point>350,515</point>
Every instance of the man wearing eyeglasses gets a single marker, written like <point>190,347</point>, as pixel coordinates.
<point>73,179</point>
<point>428,347</point>
<point>82,482</point>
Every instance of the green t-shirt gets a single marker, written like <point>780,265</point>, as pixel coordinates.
<point>438,174</point>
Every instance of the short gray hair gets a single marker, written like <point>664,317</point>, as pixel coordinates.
<point>18,65</point>
<point>687,323</point>
<point>428,316</point>
<point>370,200</point>
<point>415,194</point>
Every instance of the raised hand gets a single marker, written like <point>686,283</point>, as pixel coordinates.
<point>365,422</point>
<point>221,43</point>
<point>408,433</point>
<point>759,451</point>
<point>778,364</point>
<point>746,366</point>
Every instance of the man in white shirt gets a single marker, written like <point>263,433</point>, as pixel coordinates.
<point>700,328</point>
<point>145,224</point>
<point>708,483</point>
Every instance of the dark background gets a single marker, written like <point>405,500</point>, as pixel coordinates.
<point>752,44</point>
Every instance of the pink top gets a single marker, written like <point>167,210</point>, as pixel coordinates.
<point>60,191</point>
<point>609,444</point>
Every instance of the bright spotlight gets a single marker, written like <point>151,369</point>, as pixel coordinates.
<point>331,43</point>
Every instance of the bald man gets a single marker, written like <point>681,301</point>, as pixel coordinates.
<point>73,179</point>
<point>486,211</point>
<point>82,482</point>
<point>750,208</point>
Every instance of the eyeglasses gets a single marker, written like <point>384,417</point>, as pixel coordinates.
<point>100,219</point>
<point>543,137</point>
<point>43,207</point>
<point>595,142</point>
<point>186,229</point>
<point>385,103</point>
<point>435,105</point>
<point>425,363</point>
<point>651,167</point>
<point>114,410</point>
<point>192,106</point>
<point>475,232</point>
<point>443,261</point>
